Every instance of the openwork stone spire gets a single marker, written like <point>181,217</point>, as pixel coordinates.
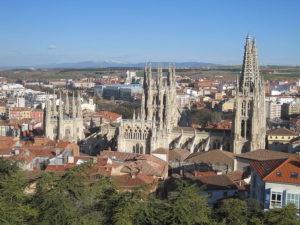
<point>249,127</point>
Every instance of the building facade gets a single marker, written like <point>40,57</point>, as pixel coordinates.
<point>249,128</point>
<point>157,123</point>
<point>64,122</point>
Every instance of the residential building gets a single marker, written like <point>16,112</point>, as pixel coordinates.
<point>275,183</point>
<point>279,139</point>
<point>273,110</point>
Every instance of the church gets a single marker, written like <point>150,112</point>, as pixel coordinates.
<point>65,121</point>
<point>156,125</point>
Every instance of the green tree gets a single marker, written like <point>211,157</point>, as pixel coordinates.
<point>232,212</point>
<point>282,216</point>
<point>15,207</point>
<point>188,207</point>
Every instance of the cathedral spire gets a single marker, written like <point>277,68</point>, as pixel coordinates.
<point>257,78</point>
<point>67,107</point>
<point>54,103</point>
<point>73,107</point>
<point>143,106</point>
<point>249,127</point>
<point>133,115</point>
<point>247,76</point>
<point>79,112</point>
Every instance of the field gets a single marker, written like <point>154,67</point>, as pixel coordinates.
<point>268,72</point>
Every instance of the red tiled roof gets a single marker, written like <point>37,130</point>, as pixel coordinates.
<point>161,151</point>
<point>263,168</point>
<point>281,132</point>
<point>109,115</point>
<point>212,156</point>
<point>264,154</point>
<point>285,169</point>
<point>178,154</point>
<point>223,125</point>
<point>146,164</point>
<point>208,173</point>
<point>127,182</point>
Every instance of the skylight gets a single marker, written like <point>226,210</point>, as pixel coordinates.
<point>294,175</point>
<point>278,174</point>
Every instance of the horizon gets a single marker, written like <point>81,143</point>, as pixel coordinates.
<point>46,33</point>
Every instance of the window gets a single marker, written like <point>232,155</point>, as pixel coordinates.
<point>278,174</point>
<point>276,199</point>
<point>293,198</point>
<point>294,175</point>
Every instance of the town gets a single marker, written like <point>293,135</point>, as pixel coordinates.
<point>149,112</point>
<point>236,136</point>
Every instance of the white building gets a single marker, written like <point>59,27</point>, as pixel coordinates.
<point>276,183</point>
<point>273,110</point>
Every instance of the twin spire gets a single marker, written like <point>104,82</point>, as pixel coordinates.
<point>65,109</point>
<point>250,78</point>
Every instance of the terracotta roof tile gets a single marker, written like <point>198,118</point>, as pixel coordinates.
<point>281,132</point>
<point>127,182</point>
<point>161,151</point>
<point>283,173</point>
<point>178,154</point>
<point>212,156</point>
<point>263,168</point>
<point>264,154</point>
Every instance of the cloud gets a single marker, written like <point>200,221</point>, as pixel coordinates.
<point>51,47</point>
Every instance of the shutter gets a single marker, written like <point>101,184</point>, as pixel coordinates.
<point>267,198</point>
<point>283,198</point>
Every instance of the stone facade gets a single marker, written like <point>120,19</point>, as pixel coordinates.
<point>249,129</point>
<point>64,122</point>
<point>156,125</point>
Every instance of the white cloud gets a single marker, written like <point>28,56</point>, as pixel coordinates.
<point>51,47</point>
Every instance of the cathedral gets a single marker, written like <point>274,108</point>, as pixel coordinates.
<point>156,125</point>
<point>249,128</point>
<point>64,122</point>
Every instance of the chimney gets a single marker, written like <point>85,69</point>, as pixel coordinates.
<point>133,175</point>
<point>95,160</point>
<point>70,159</point>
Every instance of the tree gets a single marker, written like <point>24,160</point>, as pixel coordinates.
<point>15,207</point>
<point>188,207</point>
<point>8,168</point>
<point>282,216</point>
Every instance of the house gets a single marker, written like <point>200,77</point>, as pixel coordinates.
<point>294,146</point>
<point>279,139</point>
<point>215,187</point>
<point>276,183</point>
<point>242,161</point>
<point>213,160</point>
<point>176,159</point>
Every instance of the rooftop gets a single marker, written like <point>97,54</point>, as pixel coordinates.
<point>264,154</point>
<point>280,170</point>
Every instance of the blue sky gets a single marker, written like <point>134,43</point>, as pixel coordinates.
<point>37,32</point>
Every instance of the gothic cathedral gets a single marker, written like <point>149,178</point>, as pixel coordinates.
<point>64,122</point>
<point>249,127</point>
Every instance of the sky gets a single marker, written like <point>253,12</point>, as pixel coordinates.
<point>41,32</point>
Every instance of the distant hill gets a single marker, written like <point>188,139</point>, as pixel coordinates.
<point>94,64</point>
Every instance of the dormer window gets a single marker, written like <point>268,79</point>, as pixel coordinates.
<point>278,174</point>
<point>294,175</point>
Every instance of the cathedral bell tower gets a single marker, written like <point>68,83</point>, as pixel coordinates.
<point>249,127</point>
